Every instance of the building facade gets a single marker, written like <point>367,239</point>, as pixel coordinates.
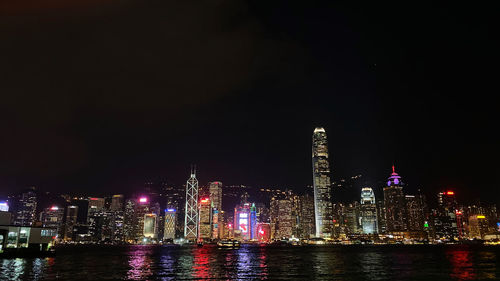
<point>368,211</point>
<point>191,209</point>
<point>323,208</point>
<point>395,204</point>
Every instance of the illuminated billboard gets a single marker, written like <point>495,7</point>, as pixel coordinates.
<point>243,224</point>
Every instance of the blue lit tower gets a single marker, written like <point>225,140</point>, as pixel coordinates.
<point>323,209</point>
<point>253,222</point>
<point>191,216</point>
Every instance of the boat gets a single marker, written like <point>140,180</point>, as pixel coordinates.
<point>225,243</point>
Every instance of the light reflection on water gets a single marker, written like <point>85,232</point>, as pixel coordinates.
<point>252,262</point>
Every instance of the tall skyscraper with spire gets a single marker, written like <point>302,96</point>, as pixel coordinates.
<point>323,209</point>
<point>395,204</point>
<point>191,216</point>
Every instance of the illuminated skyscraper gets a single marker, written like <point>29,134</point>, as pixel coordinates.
<point>281,217</point>
<point>149,229</point>
<point>306,217</point>
<point>242,222</point>
<point>26,209</point>
<point>170,222</point>
<point>415,210</point>
<point>71,220</point>
<point>323,208</point>
<point>117,202</point>
<point>445,219</point>
<point>53,218</point>
<point>191,210</point>
<point>141,209</point>
<point>215,190</point>
<point>205,218</point>
<point>263,232</point>
<point>395,204</point>
<point>368,211</point>
<point>129,220</point>
<point>96,204</point>
<point>216,194</point>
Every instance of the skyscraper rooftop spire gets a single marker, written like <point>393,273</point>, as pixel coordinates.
<point>193,170</point>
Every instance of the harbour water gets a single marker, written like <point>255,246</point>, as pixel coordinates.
<point>254,262</point>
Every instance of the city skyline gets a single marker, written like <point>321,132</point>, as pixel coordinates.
<point>242,140</point>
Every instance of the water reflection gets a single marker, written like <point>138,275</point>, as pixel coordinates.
<point>139,263</point>
<point>167,265</point>
<point>201,269</point>
<point>251,262</point>
<point>38,266</point>
<point>372,266</point>
<point>461,264</point>
<point>13,269</point>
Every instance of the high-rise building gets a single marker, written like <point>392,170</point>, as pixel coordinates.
<point>381,221</point>
<point>52,217</point>
<point>368,211</point>
<point>243,222</point>
<point>445,217</point>
<point>351,218</point>
<point>264,232</point>
<point>323,208</point>
<point>205,218</point>
<point>25,214</point>
<point>395,204</point>
<point>96,204</point>
<point>170,222</point>
<point>306,217</point>
<point>216,194</point>
<point>141,209</point>
<point>253,222</point>
<point>118,226</point>
<point>71,221</point>
<point>129,220</point>
<point>478,226</point>
<point>216,217</point>
<point>101,225</point>
<point>117,202</point>
<point>191,209</point>
<point>149,229</point>
<point>415,211</point>
<point>215,190</point>
<point>281,218</point>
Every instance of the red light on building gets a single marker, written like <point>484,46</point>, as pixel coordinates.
<point>334,220</point>
<point>261,232</point>
<point>458,212</point>
<point>143,200</point>
<point>450,193</point>
<point>54,208</point>
<point>204,200</point>
<point>230,226</point>
<point>94,199</point>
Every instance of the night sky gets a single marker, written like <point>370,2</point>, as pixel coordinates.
<point>100,96</point>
